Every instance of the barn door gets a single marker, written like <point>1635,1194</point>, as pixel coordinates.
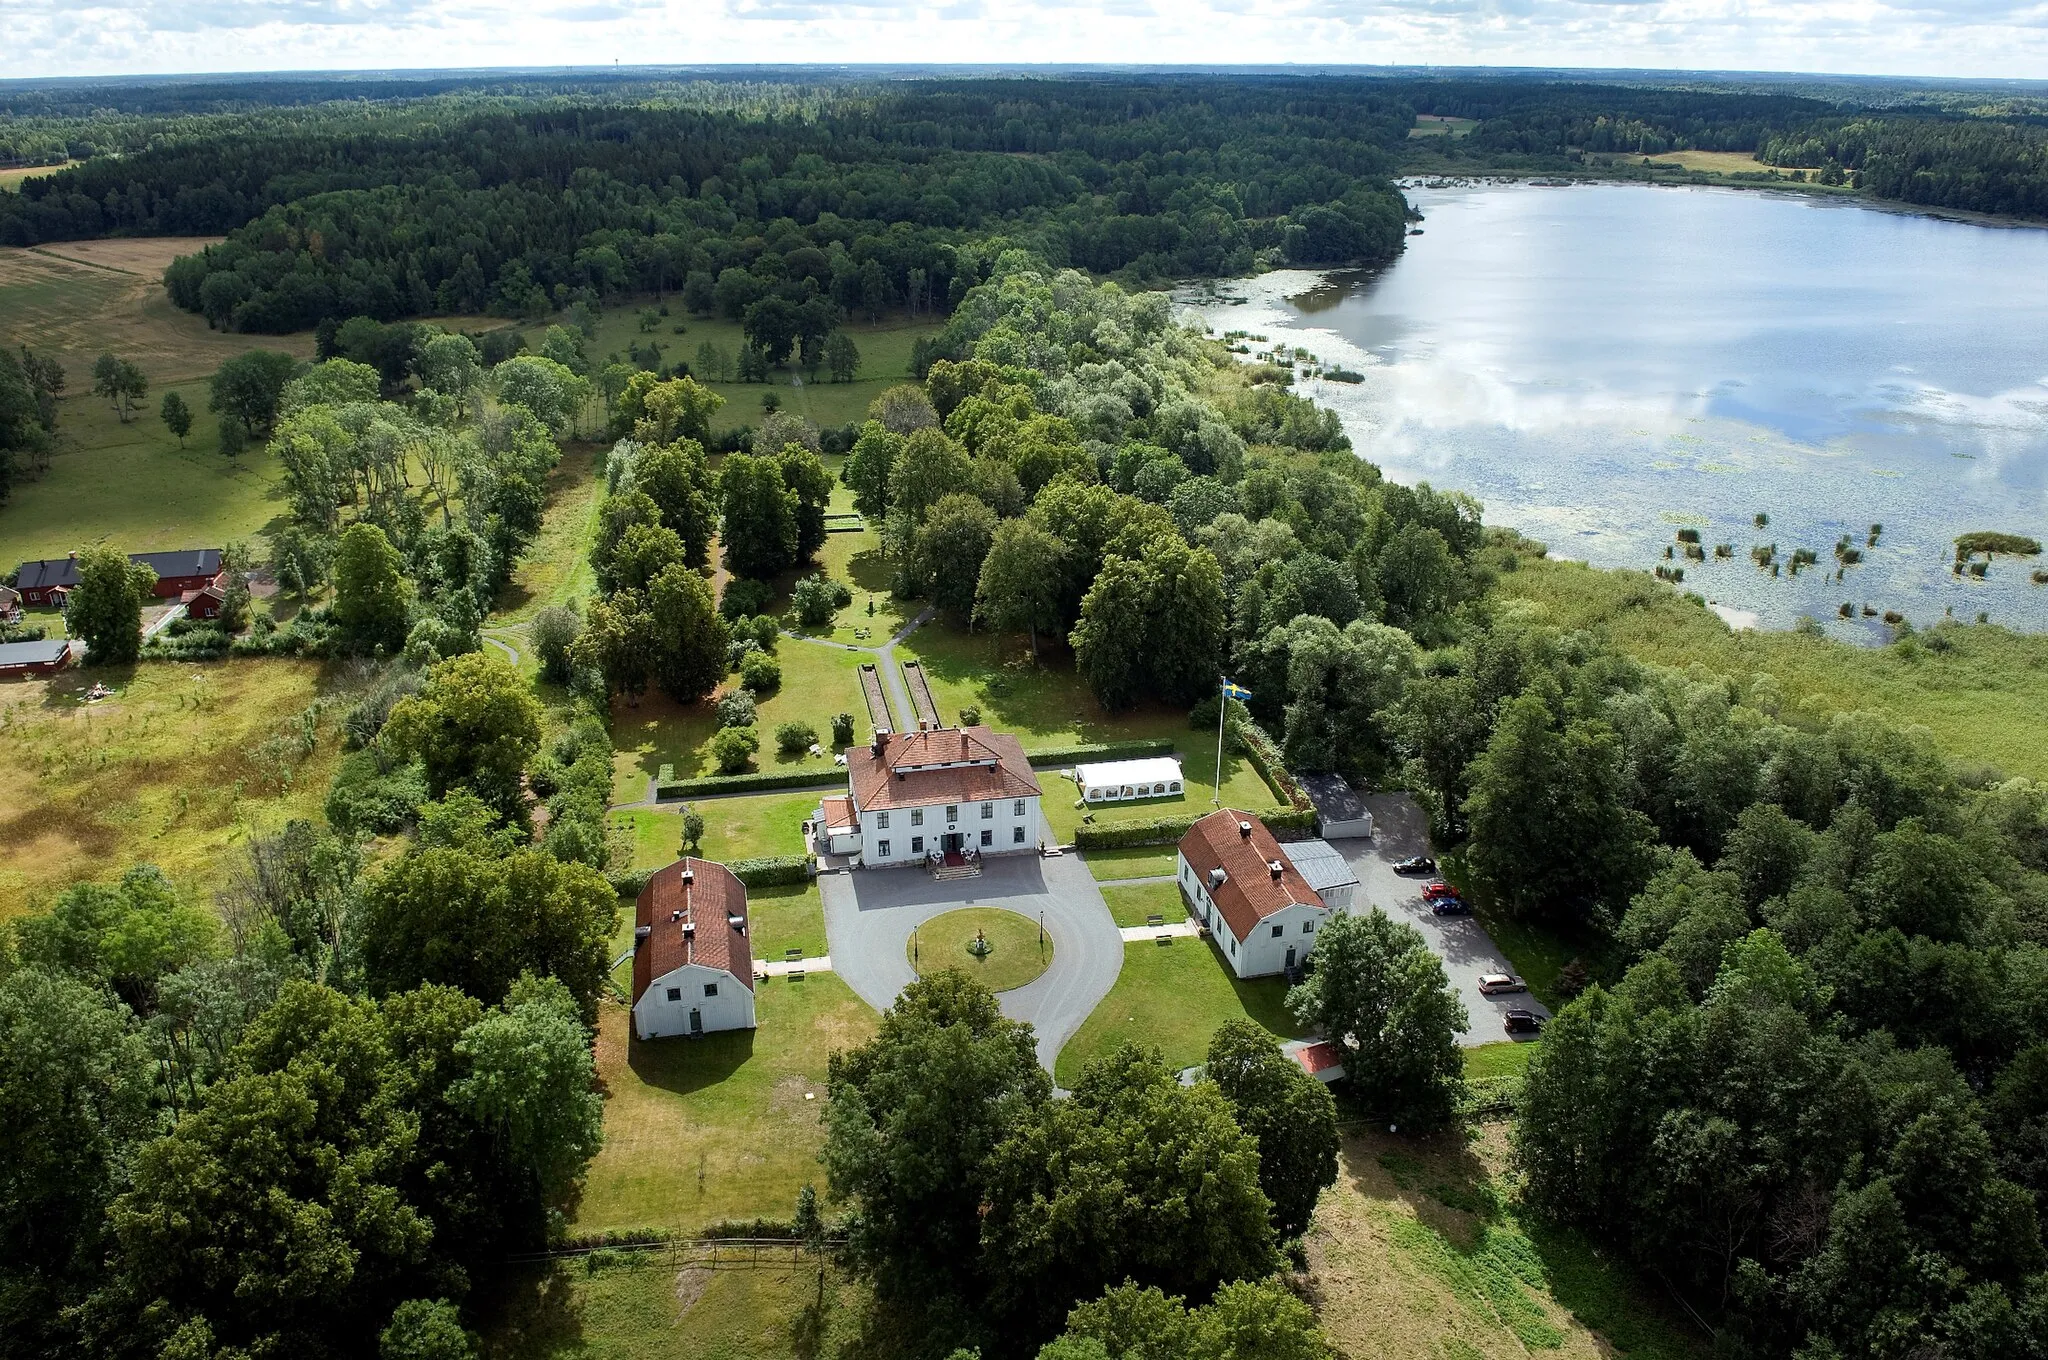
<point>696,1021</point>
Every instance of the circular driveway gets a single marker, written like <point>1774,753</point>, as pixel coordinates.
<point>869,914</point>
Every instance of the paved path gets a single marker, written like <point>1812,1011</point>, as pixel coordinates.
<point>1401,829</point>
<point>869,914</point>
<point>1147,934</point>
<point>784,967</point>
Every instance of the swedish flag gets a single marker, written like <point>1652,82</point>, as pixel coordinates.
<point>1233,690</point>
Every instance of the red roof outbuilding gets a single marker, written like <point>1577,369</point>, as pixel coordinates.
<point>1258,877</point>
<point>694,911</point>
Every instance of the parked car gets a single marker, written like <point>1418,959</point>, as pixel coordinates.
<point>1522,1022</point>
<point>1451,906</point>
<point>1416,864</point>
<point>1432,891</point>
<point>1493,984</point>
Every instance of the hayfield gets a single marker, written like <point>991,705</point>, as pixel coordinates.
<point>178,769</point>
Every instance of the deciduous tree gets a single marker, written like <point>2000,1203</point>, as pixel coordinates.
<point>106,607</point>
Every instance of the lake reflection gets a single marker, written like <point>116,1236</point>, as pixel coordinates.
<point>1602,365</point>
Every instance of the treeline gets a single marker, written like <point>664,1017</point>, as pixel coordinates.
<point>515,206</point>
<point>1546,122</point>
<point>1969,164</point>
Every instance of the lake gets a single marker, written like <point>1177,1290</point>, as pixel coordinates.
<point>1603,365</point>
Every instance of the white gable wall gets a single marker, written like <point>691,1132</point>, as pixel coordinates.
<point>1264,953</point>
<point>657,1016</point>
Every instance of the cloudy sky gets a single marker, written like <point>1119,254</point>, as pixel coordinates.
<point>1907,37</point>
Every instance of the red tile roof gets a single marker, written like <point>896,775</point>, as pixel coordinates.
<point>947,765</point>
<point>838,812</point>
<point>711,897</point>
<point>1249,892</point>
<point>1319,1057</point>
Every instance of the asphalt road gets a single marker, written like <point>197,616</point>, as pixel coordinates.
<point>1401,829</point>
<point>869,914</point>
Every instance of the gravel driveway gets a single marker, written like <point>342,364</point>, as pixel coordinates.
<point>1401,829</point>
<point>869,914</point>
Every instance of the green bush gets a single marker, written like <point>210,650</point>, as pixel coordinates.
<point>733,747</point>
<point>842,729</point>
<point>744,599</point>
<point>1117,835</point>
<point>774,871</point>
<point>1106,750</point>
<point>761,782</point>
<point>815,599</point>
<point>735,709</point>
<point>761,673</point>
<point>794,737</point>
<point>366,797</point>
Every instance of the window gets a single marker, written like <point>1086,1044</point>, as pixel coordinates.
<point>1017,808</point>
<point>1016,835</point>
<point>988,836</point>
<point>1233,948</point>
<point>675,994</point>
<point>917,816</point>
<point>882,849</point>
<point>882,822</point>
<point>917,845</point>
<point>952,812</point>
<point>1308,927</point>
<point>711,989</point>
<point>988,810</point>
<point>1277,930</point>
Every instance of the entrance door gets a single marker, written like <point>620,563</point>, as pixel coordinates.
<point>697,1016</point>
<point>953,839</point>
<point>1290,956</point>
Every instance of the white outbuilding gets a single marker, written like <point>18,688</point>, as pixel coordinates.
<point>693,968</point>
<point>1117,781</point>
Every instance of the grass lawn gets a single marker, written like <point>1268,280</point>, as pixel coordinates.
<point>1985,699</point>
<point>1498,1060</point>
<point>1137,861</point>
<point>1420,1258</point>
<point>884,355</point>
<point>133,487</point>
<point>178,769</point>
<point>734,828</point>
<point>1131,906</point>
<point>1243,787</point>
<point>1018,950</point>
<point>857,560</point>
<point>783,918</point>
<point>817,682</point>
<point>630,1310</point>
<point>1173,996</point>
<point>699,1130</point>
<point>555,568</point>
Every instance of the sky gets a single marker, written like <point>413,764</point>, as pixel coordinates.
<point>1943,38</point>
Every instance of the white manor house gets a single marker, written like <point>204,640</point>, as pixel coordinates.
<point>956,793</point>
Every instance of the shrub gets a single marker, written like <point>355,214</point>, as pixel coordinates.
<point>744,598</point>
<point>555,630</point>
<point>842,729</point>
<point>772,872</point>
<point>736,709</point>
<point>763,629</point>
<point>761,673</point>
<point>366,797</point>
<point>815,599</point>
<point>733,747</point>
<point>793,737</point>
<point>970,716</point>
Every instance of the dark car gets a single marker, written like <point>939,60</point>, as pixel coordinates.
<point>1450,906</point>
<point>1416,864</point>
<point>1522,1022</point>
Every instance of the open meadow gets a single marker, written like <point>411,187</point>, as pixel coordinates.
<point>178,769</point>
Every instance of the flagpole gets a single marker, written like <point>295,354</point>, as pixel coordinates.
<point>1222,706</point>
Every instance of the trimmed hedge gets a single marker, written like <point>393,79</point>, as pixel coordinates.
<point>772,871</point>
<point>1266,759</point>
<point>746,783</point>
<point>629,882</point>
<point>1106,750</point>
<point>1167,830</point>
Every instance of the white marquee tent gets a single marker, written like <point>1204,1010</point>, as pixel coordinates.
<point>1117,780</point>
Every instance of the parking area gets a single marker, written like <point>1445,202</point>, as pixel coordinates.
<point>869,914</point>
<point>1401,829</point>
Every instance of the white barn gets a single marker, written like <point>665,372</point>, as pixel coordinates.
<point>1241,883</point>
<point>693,968</point>
<point>1116,780</point>
<point>940,791</point>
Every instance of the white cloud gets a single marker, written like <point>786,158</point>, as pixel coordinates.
<point>1953,38</point>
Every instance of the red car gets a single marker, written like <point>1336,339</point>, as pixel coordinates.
<point>1432,891</point>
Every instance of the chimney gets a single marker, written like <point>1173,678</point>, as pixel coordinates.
<point>73,554</point>
<point>881,742</point>
<point>1217,878</point>
<point>1274,868</point>
<point>689,874</point>
<point>1244,829</point>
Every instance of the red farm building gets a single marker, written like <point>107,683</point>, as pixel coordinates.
<point>45,583</point>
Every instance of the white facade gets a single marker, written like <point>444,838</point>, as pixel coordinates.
<point>905,835</point>
<point>693,999</point>
<point>1116,780</point>
<point>1278,942</point>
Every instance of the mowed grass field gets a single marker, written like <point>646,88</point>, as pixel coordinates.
<point>1984,699</point>
<point>884,353</point>
<point>179,769</point>
<point>700,1130</point>
<point>1173,997</point>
